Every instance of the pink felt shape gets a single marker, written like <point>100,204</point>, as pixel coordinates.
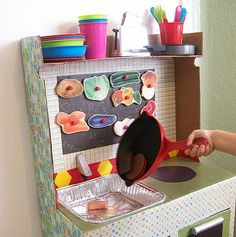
<point>149,79</point>
<point>149,108</point>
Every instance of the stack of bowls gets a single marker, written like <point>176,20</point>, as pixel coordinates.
<point>63,47</point>
<point>85,19</point>
<point>94,27</point>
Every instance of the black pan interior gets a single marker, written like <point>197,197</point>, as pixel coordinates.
<point>143,136</point>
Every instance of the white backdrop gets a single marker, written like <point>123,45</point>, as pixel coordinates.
<point>19,211</point>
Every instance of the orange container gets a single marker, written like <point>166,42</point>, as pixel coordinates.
<point>171,33</point>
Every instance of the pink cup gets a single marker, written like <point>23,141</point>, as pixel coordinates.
<point>96,39</point>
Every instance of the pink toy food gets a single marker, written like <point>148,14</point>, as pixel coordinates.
<point>97,205</point>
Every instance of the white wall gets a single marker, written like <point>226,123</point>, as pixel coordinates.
<point>19,211</point>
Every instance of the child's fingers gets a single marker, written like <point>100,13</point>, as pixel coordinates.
<point>190,139</point>
<point>201,150</point>
<point>207,150</point>
<point>194,150</point>
<point>187,152</point>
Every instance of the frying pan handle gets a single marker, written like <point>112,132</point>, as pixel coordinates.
<point>182,146</point>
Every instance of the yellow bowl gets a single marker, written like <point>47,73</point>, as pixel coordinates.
<point>94,16</point>
<point>54,43</point>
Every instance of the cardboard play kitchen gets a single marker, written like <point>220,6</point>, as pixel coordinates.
<point>81,110</point>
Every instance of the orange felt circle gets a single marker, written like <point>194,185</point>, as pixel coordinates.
<point>68,88</point>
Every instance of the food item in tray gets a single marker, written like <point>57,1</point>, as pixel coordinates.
<point>139,164</point>
<point>97,205</point>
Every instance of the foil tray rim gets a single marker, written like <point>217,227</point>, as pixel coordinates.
<point>101,221</point>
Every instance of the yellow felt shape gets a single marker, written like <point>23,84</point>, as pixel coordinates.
<point>62,179</point>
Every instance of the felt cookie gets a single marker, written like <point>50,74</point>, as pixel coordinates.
<point>149,80</point>
<point>127,96</point>
<point>120,127</point>
<point>101,120</point>
<point>96,88</point>
<point>72,123</point>
<point>149,108</point>
<point>68,88</point>
<point>120,79</point>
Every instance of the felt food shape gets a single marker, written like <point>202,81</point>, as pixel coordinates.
<point>120,79</point>
<point>149,80</point>
<point>139,164</point>
<point>120,127</point>
<point>147,93</point>
<point>68,88</point>
<point>127,96</point>
<point>96,88</point>
<point>150,108</point>
<point>97,205</point>
<point>72,123</point>
<point>101,120</point>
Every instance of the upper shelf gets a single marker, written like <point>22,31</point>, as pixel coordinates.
<point>188,38</point>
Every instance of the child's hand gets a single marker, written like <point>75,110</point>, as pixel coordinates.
<point>199,150</point>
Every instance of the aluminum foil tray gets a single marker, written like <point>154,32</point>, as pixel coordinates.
<point>122,200</point>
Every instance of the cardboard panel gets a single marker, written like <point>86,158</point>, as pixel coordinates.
<point>187,97</point>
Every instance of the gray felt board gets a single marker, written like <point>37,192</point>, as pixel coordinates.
<point>96,137</point>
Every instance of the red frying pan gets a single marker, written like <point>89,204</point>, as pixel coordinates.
<point>143,147</point>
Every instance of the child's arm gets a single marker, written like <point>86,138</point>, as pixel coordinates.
<point>224,141</point>
<point>216,139</point>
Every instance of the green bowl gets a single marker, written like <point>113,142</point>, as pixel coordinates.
<point>54,43</point>
<point>94,16</point>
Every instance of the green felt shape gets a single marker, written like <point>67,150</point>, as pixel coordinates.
<point>124,78</point>
<point>137,97</point>
<point>96,88</point>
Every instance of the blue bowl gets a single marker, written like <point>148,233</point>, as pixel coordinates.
<point>64,51</point>
<point>93,20</point>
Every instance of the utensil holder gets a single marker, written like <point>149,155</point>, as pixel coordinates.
<point>171,33</point>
